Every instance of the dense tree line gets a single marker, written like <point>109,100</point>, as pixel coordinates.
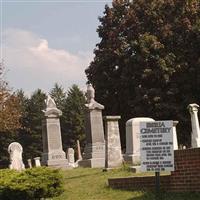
<point>28,129</point>
<point>147,62</point>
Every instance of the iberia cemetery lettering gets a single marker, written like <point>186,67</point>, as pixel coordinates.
<point>156,145</point>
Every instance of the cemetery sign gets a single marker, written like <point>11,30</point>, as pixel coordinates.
<point>156,144</point>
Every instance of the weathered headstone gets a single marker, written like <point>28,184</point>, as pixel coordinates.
<point>15,150</point>
<point>132,154</point>
<point>94,152</point>
<point>37,162</point>
<point>113,144</point>
<point>70,156</point>
<point>53,154</point>
<point>175,141</point>
<point>29,163</point>
<point>195,136</point>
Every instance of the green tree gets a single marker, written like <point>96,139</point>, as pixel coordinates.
<point>30,135</point>
<point>147,63</point>
<point>59,95</point>
<point>9,106</point>
<point>72,123</point>
<point>10,113</point>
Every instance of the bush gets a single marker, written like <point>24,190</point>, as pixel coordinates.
<point>30,184</point>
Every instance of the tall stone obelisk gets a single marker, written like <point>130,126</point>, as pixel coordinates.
<point>53,154</point>
<point>94,152</point>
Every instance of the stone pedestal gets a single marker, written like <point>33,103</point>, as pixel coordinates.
<point>113,144</point>
<point>175,141</point>
<point>94,152</point>
<point>195,136</point>
<point>53,154</point>
<point>132,154</point>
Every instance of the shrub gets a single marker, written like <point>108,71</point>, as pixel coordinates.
<point>30,184</point>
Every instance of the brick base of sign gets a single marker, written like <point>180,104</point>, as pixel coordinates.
<point>185,178</point>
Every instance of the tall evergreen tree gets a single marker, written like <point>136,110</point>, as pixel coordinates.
<point>30,136</point>
<point>147,63</point>
<point>59,95</point>
<point>73,117</point>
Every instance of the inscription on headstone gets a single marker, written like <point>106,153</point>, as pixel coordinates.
<point>53,136</point>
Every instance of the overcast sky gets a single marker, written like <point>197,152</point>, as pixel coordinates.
<point>48,41</point>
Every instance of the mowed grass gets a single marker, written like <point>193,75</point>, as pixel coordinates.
<point>92,184</point>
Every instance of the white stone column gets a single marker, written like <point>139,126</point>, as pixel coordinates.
<point>195,136</point>
<point>175,141</point>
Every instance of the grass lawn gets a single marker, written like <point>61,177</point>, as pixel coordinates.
<point>91,184</point>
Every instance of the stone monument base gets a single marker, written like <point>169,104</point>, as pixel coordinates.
<point>92,163</point>
<point>132,159</point>
<point>58,163</point>
<point>94,156</point>
<point>135,169</point>
<point>55,159</point>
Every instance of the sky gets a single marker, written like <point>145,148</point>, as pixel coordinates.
<point>47,42</point>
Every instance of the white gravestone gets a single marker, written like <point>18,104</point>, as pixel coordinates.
<point>37,162</point>
<point>195,136</point>
<point>15,150</point>
<point>132,154</point>
<point>175,141</point>
<point>113,144</point>
<point>70,156</point>
<point>29,163</point>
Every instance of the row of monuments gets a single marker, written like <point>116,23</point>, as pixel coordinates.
<point>101,150</point>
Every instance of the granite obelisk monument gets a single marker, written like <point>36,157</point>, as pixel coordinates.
<point>94,152</point>
<point>53,154</point>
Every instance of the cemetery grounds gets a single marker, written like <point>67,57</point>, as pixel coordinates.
<point>91,184</point>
